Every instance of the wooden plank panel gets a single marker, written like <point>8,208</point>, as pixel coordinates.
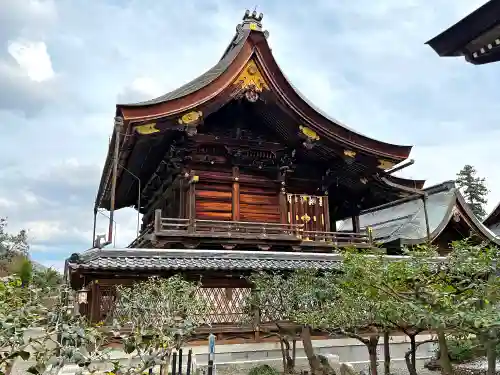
<point>260,217</point>
<point>209,215</point>
<point>213,187</point>
<point>213,206</point>
<point>259,204</point>
<point>211,194</point>
<point>259,199</point>
<point>213,201</point>
<point>268,209</point>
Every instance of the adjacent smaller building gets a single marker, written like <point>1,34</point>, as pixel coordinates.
<point>492,221</point>
<point>476,37</point>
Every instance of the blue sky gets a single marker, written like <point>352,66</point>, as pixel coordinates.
<point>64,64</point>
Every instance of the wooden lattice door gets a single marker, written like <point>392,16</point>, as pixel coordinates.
<point>309,210</point>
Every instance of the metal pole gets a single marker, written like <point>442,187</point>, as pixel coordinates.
<point>139,208</point>
<point>138,197</point>
<point>118,127</point>
<point>424,199</point>
<point>93,232</point>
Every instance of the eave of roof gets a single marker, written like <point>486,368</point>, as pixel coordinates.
<point>96,260</point>
<point>241,43</point>
<point>452,41</point>
<point>493,217</point>
<point>244,35</point>
<point>172,259</point>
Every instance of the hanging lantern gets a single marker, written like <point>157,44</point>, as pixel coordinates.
<point>82,295</point>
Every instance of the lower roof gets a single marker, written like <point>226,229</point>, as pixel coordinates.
<point>187,259</point>
<point>406,222</point>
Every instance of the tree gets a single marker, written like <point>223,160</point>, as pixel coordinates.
<point>47,278</point>
<point>61,337</point>
<point>459,295</point>
<point>474,190</point>
<point>154,317</point>
<point>11,246</point>
<point>273,298</point>
<point>297,298</point>
<point>151,318</point>
<point>353,311</point>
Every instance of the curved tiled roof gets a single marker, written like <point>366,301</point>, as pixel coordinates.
<point>206,78</point>
<point>149,259</point>
<point>406,221</point>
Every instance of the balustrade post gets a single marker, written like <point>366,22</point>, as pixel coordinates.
<point>157,221</point>
<point>369,232</point>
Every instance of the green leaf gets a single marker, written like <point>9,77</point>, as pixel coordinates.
<point>24,355</point>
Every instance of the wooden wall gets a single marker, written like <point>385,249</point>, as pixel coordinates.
<point>213,194</point>
<point>259,203</point>
<point>229,195</point>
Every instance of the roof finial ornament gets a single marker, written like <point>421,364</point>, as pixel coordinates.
<point>252,21</point>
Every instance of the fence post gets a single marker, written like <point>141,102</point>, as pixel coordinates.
<point>174,363</point>
<point>189,362</point>
<point>211,353</point>
<point>180,362</point>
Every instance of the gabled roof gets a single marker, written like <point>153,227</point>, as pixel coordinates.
<point>473,36</point>
<point>206,94</point>
<point>492,221</point>
<point>250,42</point>
<point>406,222</point>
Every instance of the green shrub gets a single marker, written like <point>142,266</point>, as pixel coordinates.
<point>464,349</point>
<point>263,370</point>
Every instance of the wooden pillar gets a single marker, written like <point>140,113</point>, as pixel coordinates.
<point>192,201</point>
<point>235,208</point>
<point>326,213</point>
<point>283,208</point>
<point>182,200</point>
<point>95,303</point>
<point>355,223</point>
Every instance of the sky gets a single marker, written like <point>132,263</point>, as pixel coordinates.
<point>64,64</point>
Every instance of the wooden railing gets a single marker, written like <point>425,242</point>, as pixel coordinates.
<point>247,229</point>
<point>336,238</point>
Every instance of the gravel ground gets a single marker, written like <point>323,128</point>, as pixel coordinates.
<point>397,368</point>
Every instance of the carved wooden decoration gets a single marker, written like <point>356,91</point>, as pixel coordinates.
<point>147,129</point>
<point>311,211</point>
<point>251,78</point>
<point>385,164</point>
<point>309,136</point>
<point>191,120</point>
<point>350,154</point>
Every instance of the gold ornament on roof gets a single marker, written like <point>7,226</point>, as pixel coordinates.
<point>309,133</point>
<point>251,78</point>
<point>385,164</point>
<point>350,153</point>
<point>147,129</point>
<point>191,118</point>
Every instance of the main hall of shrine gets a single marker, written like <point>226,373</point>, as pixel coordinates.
<point>236,171</point>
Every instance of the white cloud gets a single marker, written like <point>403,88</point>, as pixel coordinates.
<point>363,62</point>
<point>45,230</point>
<point>33,59</point>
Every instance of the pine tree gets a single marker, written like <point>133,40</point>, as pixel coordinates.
<point>474,190</point>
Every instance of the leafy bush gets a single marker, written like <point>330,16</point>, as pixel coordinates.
<point>263,370</point>
<point>464,349</point>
